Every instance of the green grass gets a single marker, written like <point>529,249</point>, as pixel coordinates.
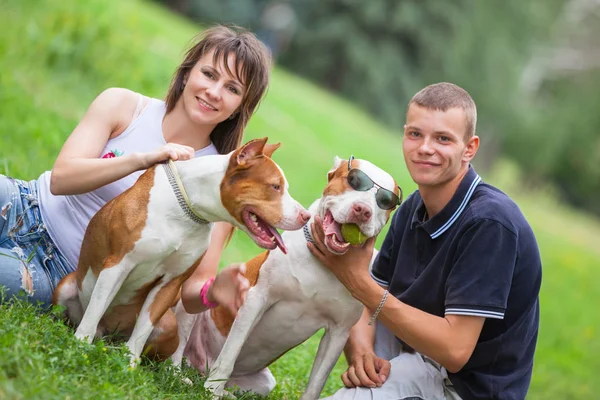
<point>40,358</point>
<point>57,56</point>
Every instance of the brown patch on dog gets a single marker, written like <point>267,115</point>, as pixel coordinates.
<point>122,318</point>
<point>168,293</point>
<point>65,283</point>
<point>221,316</point>
<point>338,184</point>
<point>113,231</point>
<point>251,181</point>
<point>164,340</point>
<point>223,319</point>
<point>253,267</point>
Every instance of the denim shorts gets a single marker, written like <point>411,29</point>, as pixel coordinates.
<point>30,262</point>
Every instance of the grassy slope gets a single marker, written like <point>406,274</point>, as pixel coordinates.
<point>57,56</point>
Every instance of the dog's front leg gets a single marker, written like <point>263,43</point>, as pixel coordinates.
<point>251,311</point>
<point>185,325</point>
<point>331,346</point>
<point>156,304</point>
<point>107,285</point>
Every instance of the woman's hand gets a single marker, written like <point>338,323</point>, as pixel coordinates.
<point>230,288</point>
<point>170,151</point>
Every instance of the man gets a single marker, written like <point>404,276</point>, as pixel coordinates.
<point>462,268</point>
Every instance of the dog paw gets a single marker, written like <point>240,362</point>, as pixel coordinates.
<point>216,387</point>
<point>84,337</point>
<point>176,360</point>
<point>134,362</point>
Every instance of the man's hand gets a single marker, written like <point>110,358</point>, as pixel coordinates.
<point>351,268</point>
<point>366,370</point>
<point>230,288</point>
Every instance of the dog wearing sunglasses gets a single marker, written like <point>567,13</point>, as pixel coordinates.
<point>293,296</point>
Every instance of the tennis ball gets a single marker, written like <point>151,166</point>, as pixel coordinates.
<point>352,234</point>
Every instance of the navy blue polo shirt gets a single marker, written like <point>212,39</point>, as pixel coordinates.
<point>479,257</point>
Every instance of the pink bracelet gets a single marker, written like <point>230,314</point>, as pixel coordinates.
<point>204,294</point>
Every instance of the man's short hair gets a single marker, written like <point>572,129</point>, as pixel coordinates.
<point>443,96</point>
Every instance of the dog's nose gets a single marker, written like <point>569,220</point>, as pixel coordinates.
<point>305,216</point>
<point>361,212</point>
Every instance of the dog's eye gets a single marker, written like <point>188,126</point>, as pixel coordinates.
<point>276,187</point>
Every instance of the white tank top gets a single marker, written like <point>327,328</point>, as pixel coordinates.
<point>66,217</point>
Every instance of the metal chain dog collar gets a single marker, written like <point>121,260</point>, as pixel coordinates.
<point>180,193</point>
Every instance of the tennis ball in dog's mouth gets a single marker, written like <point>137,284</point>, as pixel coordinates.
<point>352,234</point>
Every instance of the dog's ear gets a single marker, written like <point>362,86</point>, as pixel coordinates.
<point>250,150</point>
<point>336,164</point>
<point>270,148</point>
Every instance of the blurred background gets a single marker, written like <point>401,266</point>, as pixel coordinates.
<point>344,72</point>
<point>532,67</point>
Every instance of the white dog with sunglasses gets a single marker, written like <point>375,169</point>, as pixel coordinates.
<point>293,295</point>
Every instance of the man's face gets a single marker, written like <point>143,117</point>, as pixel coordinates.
<point>434,145</point>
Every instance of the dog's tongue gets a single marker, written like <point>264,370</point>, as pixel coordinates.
<point>335,229</point>
<point>278,239</point>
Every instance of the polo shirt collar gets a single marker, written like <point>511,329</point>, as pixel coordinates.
<point>442,221</point>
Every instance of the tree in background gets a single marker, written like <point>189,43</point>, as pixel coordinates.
<point>532,68</point>
<point>561,83</point>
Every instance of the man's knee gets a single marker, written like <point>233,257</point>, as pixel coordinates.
<point>410,366</point>
<point>415,377</point>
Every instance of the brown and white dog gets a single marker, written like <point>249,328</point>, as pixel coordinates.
<point>141,246</point>
<point>292,296</point>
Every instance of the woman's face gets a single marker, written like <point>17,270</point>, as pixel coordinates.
<point>211,95</point>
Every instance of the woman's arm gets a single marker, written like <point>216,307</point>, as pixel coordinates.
<point>230,286</point>
<point>78,168</point>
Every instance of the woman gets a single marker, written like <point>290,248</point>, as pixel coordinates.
<point>212,96</point>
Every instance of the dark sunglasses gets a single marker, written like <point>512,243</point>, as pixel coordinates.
<point>358,180</point>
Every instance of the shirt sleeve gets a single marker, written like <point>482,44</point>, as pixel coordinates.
<point>481,276</point>
<point>383,266</point>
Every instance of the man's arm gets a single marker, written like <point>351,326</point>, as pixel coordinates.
<point>364,367</point>
<point>449,340</point>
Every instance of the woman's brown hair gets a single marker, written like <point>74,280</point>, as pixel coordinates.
<point>252,64</point>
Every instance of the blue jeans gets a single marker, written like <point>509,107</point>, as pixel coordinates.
<point>30,263</point>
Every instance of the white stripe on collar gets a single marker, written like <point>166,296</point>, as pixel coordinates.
<point>460,209</point>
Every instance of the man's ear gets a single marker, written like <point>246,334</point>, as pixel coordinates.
<point>471,148</point>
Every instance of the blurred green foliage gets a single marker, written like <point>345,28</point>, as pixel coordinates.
<point>380,53</point>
